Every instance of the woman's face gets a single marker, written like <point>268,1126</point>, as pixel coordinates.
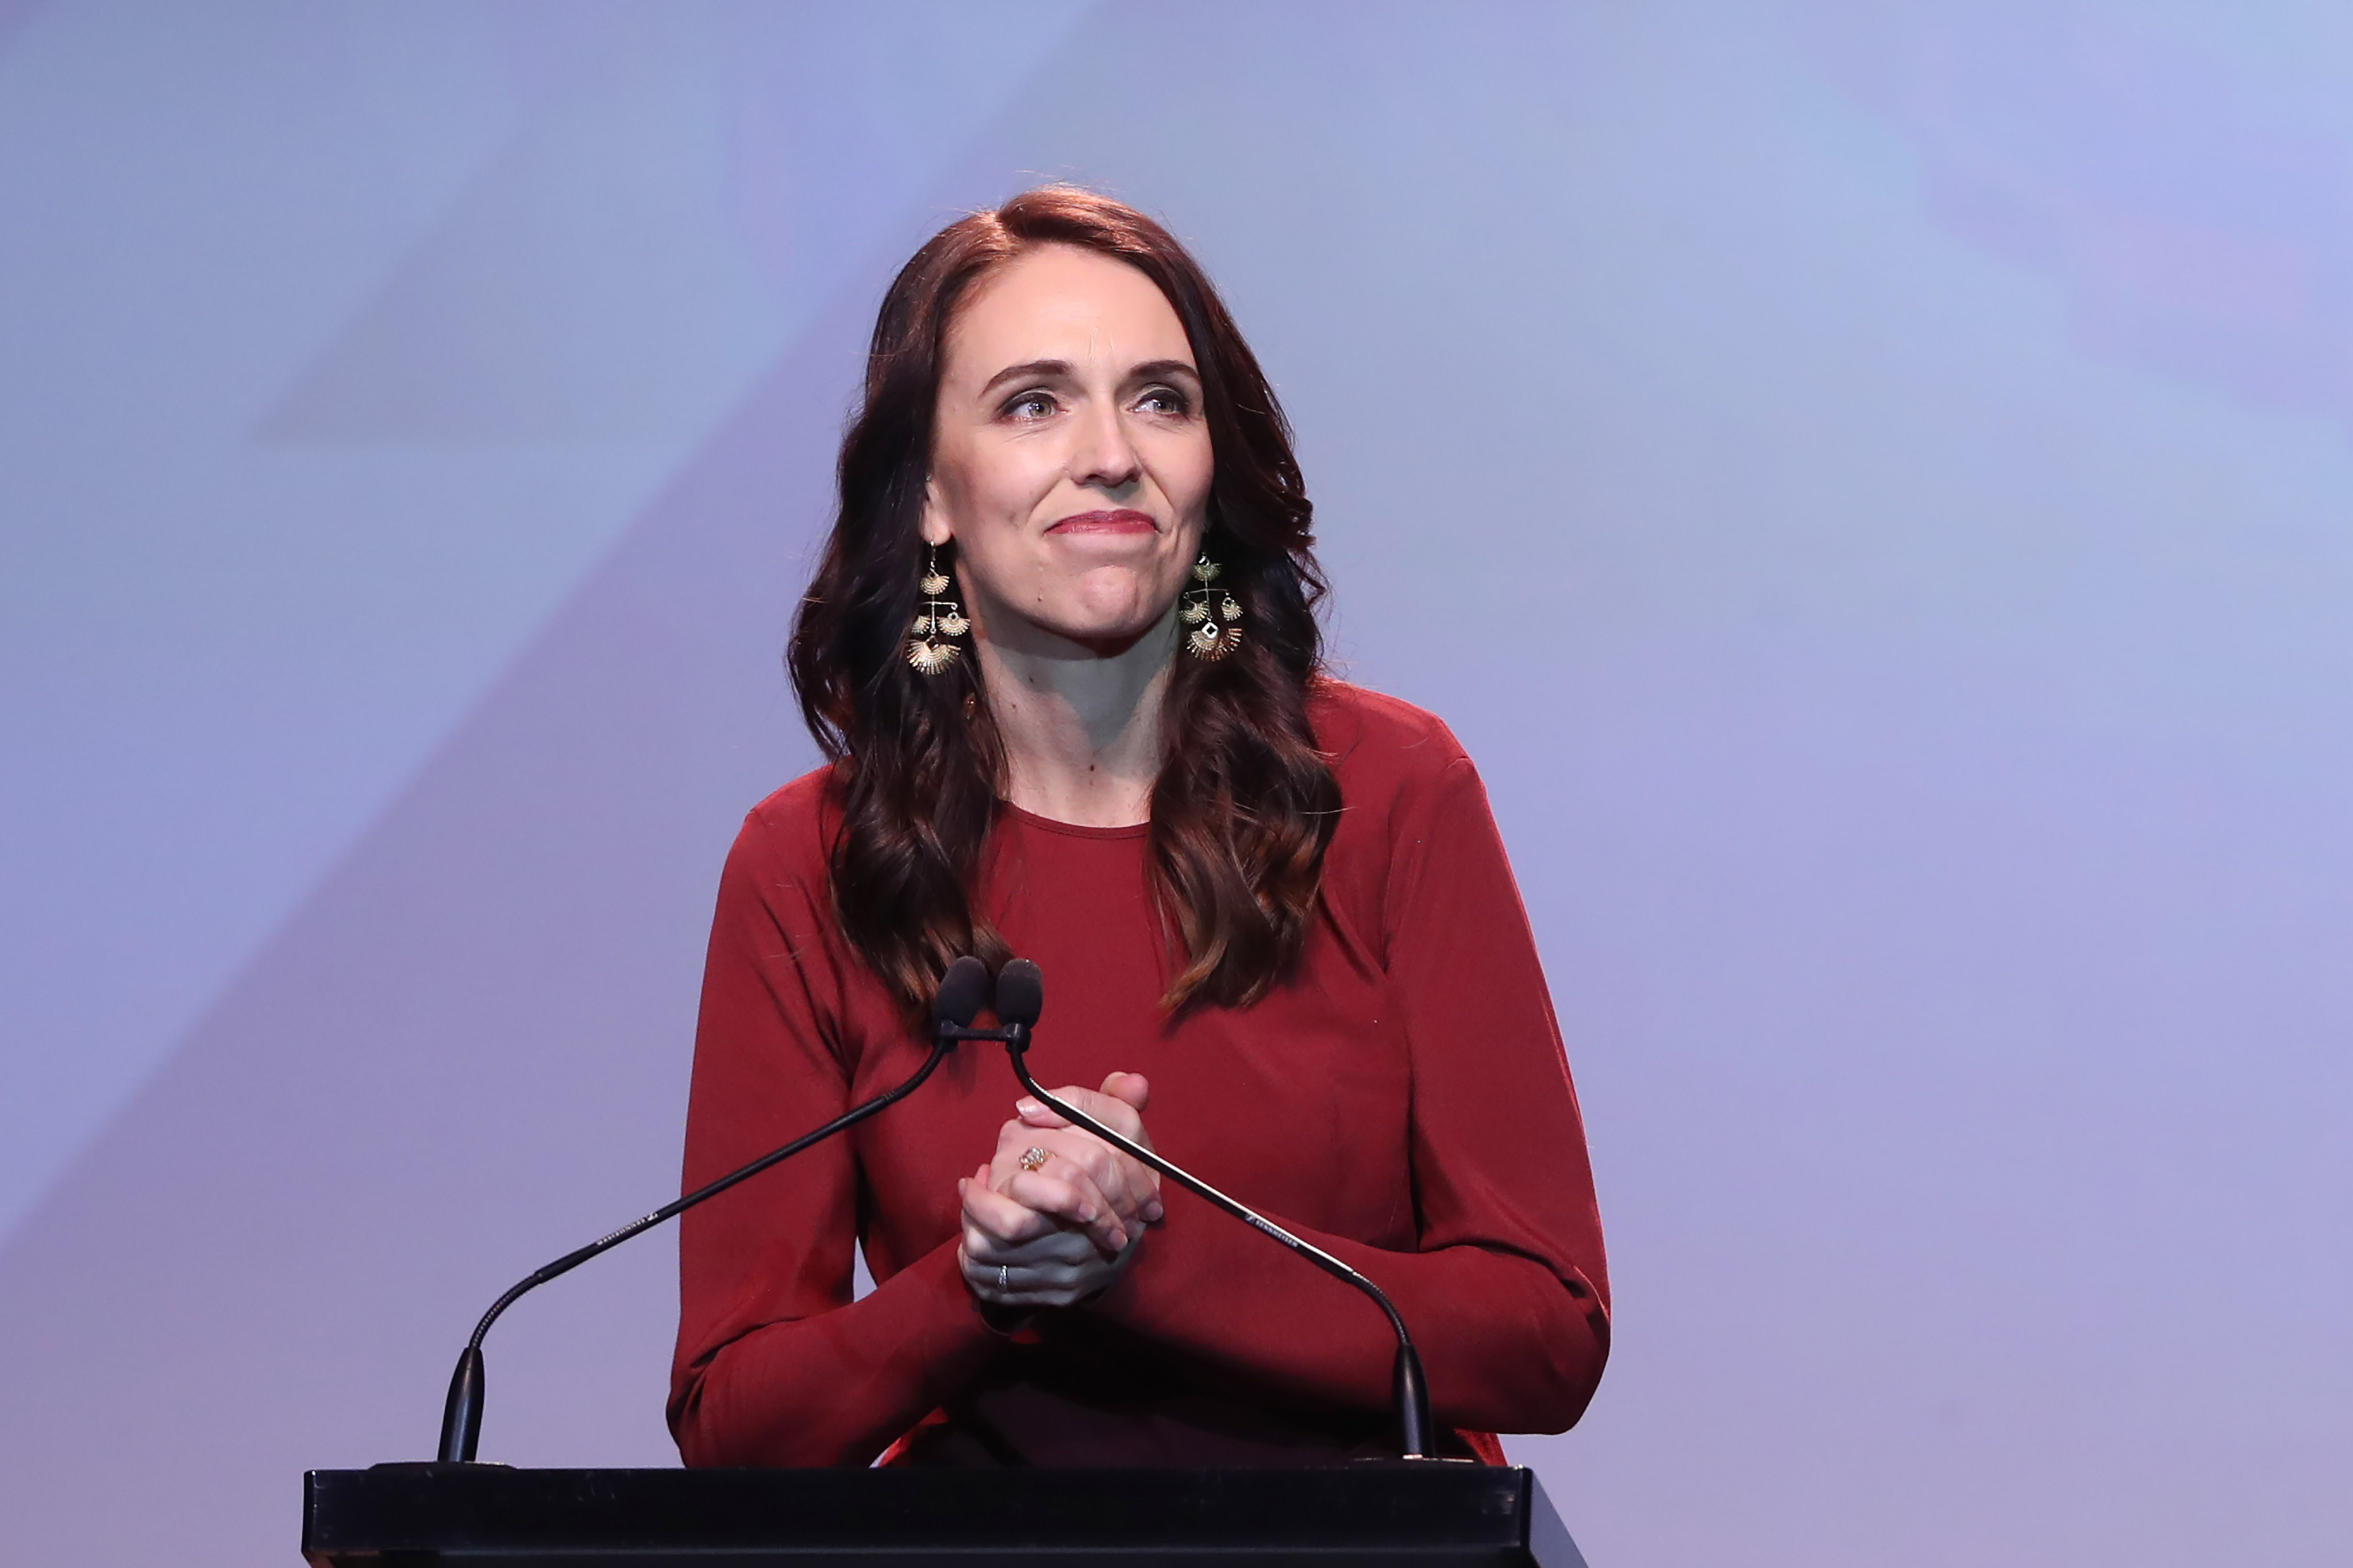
<point>1070,460</point>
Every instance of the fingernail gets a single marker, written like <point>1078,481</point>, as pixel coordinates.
<point>1028,1107</point>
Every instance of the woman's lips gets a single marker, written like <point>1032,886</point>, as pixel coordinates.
<point>1106,522</point>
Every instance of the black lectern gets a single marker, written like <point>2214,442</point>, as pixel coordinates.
<point>1433,1515</point>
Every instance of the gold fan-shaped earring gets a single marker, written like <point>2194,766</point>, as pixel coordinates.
<point>932,649</point>
<point>1215,617</point>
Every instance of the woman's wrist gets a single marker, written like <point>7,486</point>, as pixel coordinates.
<point>1005,1320</point>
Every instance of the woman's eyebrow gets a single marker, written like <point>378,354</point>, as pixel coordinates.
<point>1060,370</point>
<point>1028,370</point>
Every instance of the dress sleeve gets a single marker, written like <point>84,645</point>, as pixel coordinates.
<point>1505,1293</point>
<point>775,1366</point>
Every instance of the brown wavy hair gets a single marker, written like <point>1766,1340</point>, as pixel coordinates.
<point>1243,805</point>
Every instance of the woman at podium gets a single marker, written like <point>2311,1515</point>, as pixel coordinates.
<point>1061,656</point>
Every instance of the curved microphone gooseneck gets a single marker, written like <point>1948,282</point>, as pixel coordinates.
<point>962,991</point>
<point>1020,997</point>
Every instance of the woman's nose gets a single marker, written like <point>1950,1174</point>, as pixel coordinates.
<point>1106,459</point>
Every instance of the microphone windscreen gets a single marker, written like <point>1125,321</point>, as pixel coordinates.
<point>962,991</point>
<point>1021,994</point>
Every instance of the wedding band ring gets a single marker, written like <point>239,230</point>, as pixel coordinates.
<point>1004,1277</point>
<point>1033,1156</point>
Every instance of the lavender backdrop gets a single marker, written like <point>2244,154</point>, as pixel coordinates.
<point>1870,480</point>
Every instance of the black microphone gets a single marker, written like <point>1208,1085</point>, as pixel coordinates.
<point>961,990</point>
<point>1020,998</point>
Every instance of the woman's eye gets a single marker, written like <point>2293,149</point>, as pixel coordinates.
<point>1165,400</point>
<point>1030,406</point>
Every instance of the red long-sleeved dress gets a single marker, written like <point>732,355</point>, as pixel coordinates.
<point>1401,1101</point>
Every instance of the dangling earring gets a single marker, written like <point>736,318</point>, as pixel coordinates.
<point>942,618</point>
<point>1215,632</point>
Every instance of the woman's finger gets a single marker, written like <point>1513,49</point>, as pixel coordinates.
<point>1129,1183</point>
<point>1072,1198</point>
<point>1107,1181</point>
<point>1135,1090</point>
<point>1062,1188</point>
<point>1131,1087</point>
<point>994,1223</point>
<point>1056,1176</point>
<point>1034,1276</point>
<point>1112,1110</point>
<point>1063,1253</point>
<point>1020,1147</point>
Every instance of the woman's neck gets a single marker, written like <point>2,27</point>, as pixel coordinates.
<point>1080,726</point>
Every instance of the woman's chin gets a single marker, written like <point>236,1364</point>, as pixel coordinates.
<point>1104,613</point>
<point>1100,632</point>
<point>1109,639</point>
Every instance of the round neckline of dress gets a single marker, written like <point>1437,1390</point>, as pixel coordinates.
<point>1074,830</point>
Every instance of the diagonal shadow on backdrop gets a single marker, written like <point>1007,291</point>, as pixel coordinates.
<point>431,1078</point>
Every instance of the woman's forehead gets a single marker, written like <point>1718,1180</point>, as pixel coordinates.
<point>1063,303</point>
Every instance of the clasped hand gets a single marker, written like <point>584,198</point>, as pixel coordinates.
<point>1054,1234</point>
